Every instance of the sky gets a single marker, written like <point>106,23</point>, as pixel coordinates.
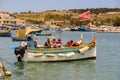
<point>14,6</point>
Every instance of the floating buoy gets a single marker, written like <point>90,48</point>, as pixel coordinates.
<point>83,49</point>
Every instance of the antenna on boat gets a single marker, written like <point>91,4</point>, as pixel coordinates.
<point>81,38</point>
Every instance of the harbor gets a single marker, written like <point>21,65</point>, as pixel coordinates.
<point>107,44</point>
<point>53,40</point>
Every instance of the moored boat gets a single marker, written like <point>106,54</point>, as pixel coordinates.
<point>21,34</point>
<point>5,31</point>
<point>19,39</point>
<point>84,29</point>
<point>41,54</point>
<point>43,34</point>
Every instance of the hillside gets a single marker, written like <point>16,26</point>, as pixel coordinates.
<point>102,16</point>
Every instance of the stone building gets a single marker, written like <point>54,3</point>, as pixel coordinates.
<point>5,18</point>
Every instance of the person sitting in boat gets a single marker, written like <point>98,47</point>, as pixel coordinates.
<point>36,42</point>
<point>53,43</point>
<point>35,39</point>
<point>69,43</point>
<point>59,43</point>
<point>47,44</point>
<point>76,44</point>
<point>30,42</point>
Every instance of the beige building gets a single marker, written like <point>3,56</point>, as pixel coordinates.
<point>52,22</point>
<point>5,18</point>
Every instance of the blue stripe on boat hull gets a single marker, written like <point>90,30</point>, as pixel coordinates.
<point>19,39</point>
<point>6,35</point>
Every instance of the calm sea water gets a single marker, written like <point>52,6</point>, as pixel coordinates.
<point>105,67</point>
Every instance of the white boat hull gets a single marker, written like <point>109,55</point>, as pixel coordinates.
<point>30,57</point>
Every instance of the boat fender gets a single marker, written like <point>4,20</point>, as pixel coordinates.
<point>61,55</point>
<point>83,49</point>
<point>70,54</point>
<point>50,55</point>
<point>38,54</point>
<point>30,55</point>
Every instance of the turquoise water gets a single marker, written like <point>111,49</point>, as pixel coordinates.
<point>105,67</point>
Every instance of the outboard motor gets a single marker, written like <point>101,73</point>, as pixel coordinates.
<point>19,52</point>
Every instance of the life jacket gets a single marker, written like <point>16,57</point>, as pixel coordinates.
<point>76,44</point>
<point>53,43</point>
<point>69,43</point>
<point>58,42</point>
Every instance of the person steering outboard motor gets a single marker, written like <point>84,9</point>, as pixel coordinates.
<point>20,51</point>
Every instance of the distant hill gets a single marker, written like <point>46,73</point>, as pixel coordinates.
<point>99,16</point>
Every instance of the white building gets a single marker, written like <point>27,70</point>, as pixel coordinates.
<point>5,18</point>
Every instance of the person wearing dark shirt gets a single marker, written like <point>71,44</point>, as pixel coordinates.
<point>47,44</point>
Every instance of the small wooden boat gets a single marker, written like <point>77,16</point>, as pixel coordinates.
<point>5,31</point>
<point>84,29</point>
<point>43,34</point>
<point>85,51</point>
<point>18,39</point>
<point>21,34</point>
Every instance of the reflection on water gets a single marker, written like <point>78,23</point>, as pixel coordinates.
<point>19,71</point>
<point>73,70</point>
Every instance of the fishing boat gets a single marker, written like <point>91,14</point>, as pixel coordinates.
<point>84,29</point>
<point>21,34</point>
<point>43,34</point>
<point>41,54</point>
<point>19,39</point>
<point>5,31</point>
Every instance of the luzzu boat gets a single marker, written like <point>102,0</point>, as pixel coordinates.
<point>84,29</point>
<point>43,34</point>
<point>85,51</point>
<point>5,31</point>
<point>21,34</point>
<point>19,39</point>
